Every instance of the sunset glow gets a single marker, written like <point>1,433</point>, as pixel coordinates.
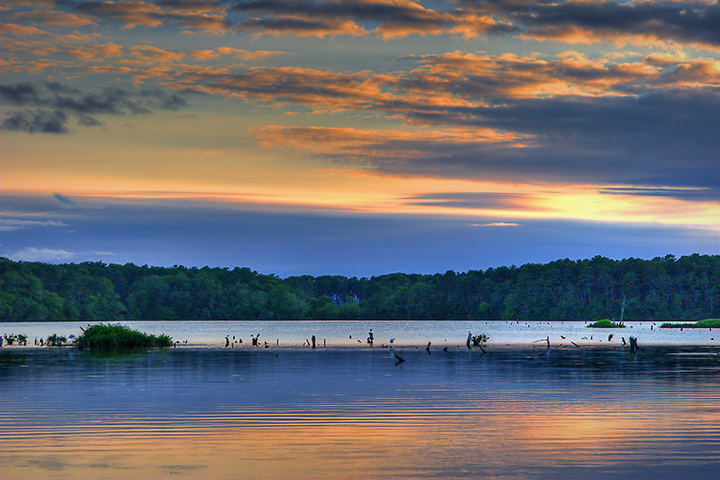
<point>568,115</point>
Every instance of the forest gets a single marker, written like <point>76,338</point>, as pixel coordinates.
<point>664,288</point>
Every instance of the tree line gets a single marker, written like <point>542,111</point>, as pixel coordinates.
<point>664,288</point>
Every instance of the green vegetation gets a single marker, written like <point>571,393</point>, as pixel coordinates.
<point>119,337</point>
<point>706,323</point>
<point>605,323</point>
<point>11,338</point>
<point>55,340</point>
<point>664,288</point>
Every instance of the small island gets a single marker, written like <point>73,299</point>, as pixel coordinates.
<point>605,323</point>
<point>119,337</point>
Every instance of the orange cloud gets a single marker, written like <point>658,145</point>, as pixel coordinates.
<point>316,88</point>
<point>54,17</point>
<point>203,54</point>
<point>374,144</point>
<point>134,13</point>
<point>32,3</point>
<point>22,30</point>
<point>90,52</point>
<point>150,54</point>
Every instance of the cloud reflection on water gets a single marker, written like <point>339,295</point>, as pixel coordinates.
<point>353,414</point>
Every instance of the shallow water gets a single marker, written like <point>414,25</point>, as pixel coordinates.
<point>337,412</point>
<point>408,333</point>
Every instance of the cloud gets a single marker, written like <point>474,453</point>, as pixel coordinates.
<point>372,146</point>
<point>687,194</point>
<point>47,107</point>
<point>386,19</point>
<point>568,21</point>
<point>36,121</point>
<point>693,23</point>
<point>660,138</point>
<point>33,254</point>
<point>22,30</point>
<point>207,17</point>
<point>300,26</point>
<point>304,86</point>
<point>496,224</point>
<point>646,22</point>
<point>632,132</point>
<point>450,80</point>
<point>11,224</point>
<point>479,76</point>
<point>193,5</point>
<point>32,3</point>
<point>53,17</point>
<point>67,202</point>
<point>471,200</point>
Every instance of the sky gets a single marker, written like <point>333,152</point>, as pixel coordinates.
<point>358,137</point>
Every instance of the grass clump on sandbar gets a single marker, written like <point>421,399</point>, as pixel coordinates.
<point>119,337</point>
<point>707,323</point>
<point>605,323</point>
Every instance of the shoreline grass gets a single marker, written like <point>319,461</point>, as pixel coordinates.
<point>707,323</point>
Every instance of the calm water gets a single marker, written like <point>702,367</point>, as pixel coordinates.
<point>518,412</point>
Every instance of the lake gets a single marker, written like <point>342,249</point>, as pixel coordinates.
<point>352,411</point>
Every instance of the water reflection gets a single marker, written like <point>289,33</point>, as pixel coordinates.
<point>342,413</point>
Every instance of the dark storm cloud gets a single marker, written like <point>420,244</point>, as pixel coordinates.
<point>47,107</point>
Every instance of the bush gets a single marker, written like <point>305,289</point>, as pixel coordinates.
<point>117,337</point>
<point>55,340</point>
<point>605,323</point>
<point>12,338</point>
